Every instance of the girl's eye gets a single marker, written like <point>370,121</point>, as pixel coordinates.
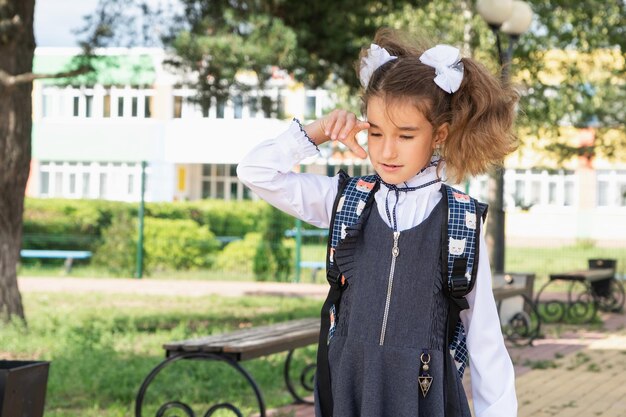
<point>375,134</point>
<point>406,137</point>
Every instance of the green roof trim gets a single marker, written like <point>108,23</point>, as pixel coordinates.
<point>134,70</point>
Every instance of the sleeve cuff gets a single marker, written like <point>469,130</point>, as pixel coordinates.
<point>300,142</point>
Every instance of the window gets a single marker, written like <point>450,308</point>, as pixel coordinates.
<point>102,185</point>
<point>520,192</point>
<point>238,107</point>
<point>603,193</point>
<point>72,183</point>
<point>89,106</point>
<point>266,106</point>
<point>220,181</point>
<point>568,199</point>
<point>552,193</point>
<point>178,107</point>
<point>219,108</point>
<point>120,107</point>
<point>219,190</point>
<point>535,192</point>
<point>147,107</point>
<point>46,105</point>
<point>44,182</point>
<point>106,110</point>
<point>252,106</point>
<point>131,184</point>
<point>310,105</point>
<point>134,106</point>
<point>58,184</point>
<point>86,179</point>
<point>76,106</point>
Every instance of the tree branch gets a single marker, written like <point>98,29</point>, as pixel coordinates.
<point>9,80</point>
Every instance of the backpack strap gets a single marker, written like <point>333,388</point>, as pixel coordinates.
<point>461,234</point>
<point>353,195</point>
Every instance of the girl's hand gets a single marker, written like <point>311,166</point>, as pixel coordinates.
<point>340,125</point>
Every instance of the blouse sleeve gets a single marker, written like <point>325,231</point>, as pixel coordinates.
<point>493,378</point>
<point>267,171</point>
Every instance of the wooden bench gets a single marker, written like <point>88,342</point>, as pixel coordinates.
<point>238,346</point>
<point>520,319</point>
<point>315,267</point>
<point>589,290</point>
<point>68,255</point>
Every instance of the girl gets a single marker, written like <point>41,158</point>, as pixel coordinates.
<point>430,116</point>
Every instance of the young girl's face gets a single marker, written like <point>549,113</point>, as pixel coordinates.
<point>400,139</point>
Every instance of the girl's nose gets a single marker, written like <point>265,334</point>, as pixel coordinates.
<point>389,148</point>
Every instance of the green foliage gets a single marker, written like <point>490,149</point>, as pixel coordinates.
<point>168,245</point>
<point>588,93</point>
<point>67,224</point>
<point>220,38</point>
<point>101,347</point>
<point>273,259</point>
<point>238,256</point>
<point>118,250</point>
<point>177,244</point>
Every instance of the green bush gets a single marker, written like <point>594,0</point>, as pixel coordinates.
<point>273,260</point>
<point>67,224</point>
<point>168,244</point>
<point>178,244</point>
<point>238,256</point>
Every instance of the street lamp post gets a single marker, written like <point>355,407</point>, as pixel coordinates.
<point>510,17</point>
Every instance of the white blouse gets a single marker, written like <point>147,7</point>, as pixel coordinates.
<point>267,170</point>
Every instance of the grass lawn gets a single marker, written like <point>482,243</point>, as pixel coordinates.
<point>541,261</point>
<point>101,347</point>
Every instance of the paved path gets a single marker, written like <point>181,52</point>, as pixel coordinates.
<point>580,373</point>
<point>192,288</point>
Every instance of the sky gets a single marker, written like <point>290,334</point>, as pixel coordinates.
<point>55,19</point>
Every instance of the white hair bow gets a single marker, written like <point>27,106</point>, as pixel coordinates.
<point>376,56</point>
<point>446,60</point>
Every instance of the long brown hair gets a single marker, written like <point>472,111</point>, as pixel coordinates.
<point>479,115</point>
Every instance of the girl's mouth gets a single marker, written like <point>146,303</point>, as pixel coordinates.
<point>390,167</point>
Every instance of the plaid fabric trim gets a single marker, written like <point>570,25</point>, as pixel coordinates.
<point>462,223</point>
<point>350,207</point>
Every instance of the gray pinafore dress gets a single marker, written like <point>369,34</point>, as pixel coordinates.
<point>385,322</point>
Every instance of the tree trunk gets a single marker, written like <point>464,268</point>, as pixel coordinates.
<point>17,47</point>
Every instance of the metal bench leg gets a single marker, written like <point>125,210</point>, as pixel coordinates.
<point>553,310</point>
<point>185,407</point>
<point>584,308</point>
<point>525,326</point>
<point>306,379</point>
<point>68,265</point>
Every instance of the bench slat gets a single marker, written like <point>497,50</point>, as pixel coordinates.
<point>502,293</point>
<point>217,343</point>
<point>589,275</point>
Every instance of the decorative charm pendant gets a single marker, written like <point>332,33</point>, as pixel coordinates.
<point>425,380</point>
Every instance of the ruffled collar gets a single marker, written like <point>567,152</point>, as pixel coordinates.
<point>429,174</point>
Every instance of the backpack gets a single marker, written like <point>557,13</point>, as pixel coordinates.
<point>460,232</point>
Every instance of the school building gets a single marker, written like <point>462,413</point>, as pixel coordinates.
<point>90,138</point>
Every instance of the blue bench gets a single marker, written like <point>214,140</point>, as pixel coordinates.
<point>68,255</point>
<point>315,268</point>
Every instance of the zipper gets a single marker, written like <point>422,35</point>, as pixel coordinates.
<point>395,251</point>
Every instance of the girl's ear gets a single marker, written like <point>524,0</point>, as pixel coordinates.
<point>441,135</point>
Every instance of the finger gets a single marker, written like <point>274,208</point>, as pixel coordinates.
<point>341,121</point>
<point>356,149</point>
<point>348,127</point>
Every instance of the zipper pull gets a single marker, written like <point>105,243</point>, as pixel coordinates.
<point>395,251</point>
